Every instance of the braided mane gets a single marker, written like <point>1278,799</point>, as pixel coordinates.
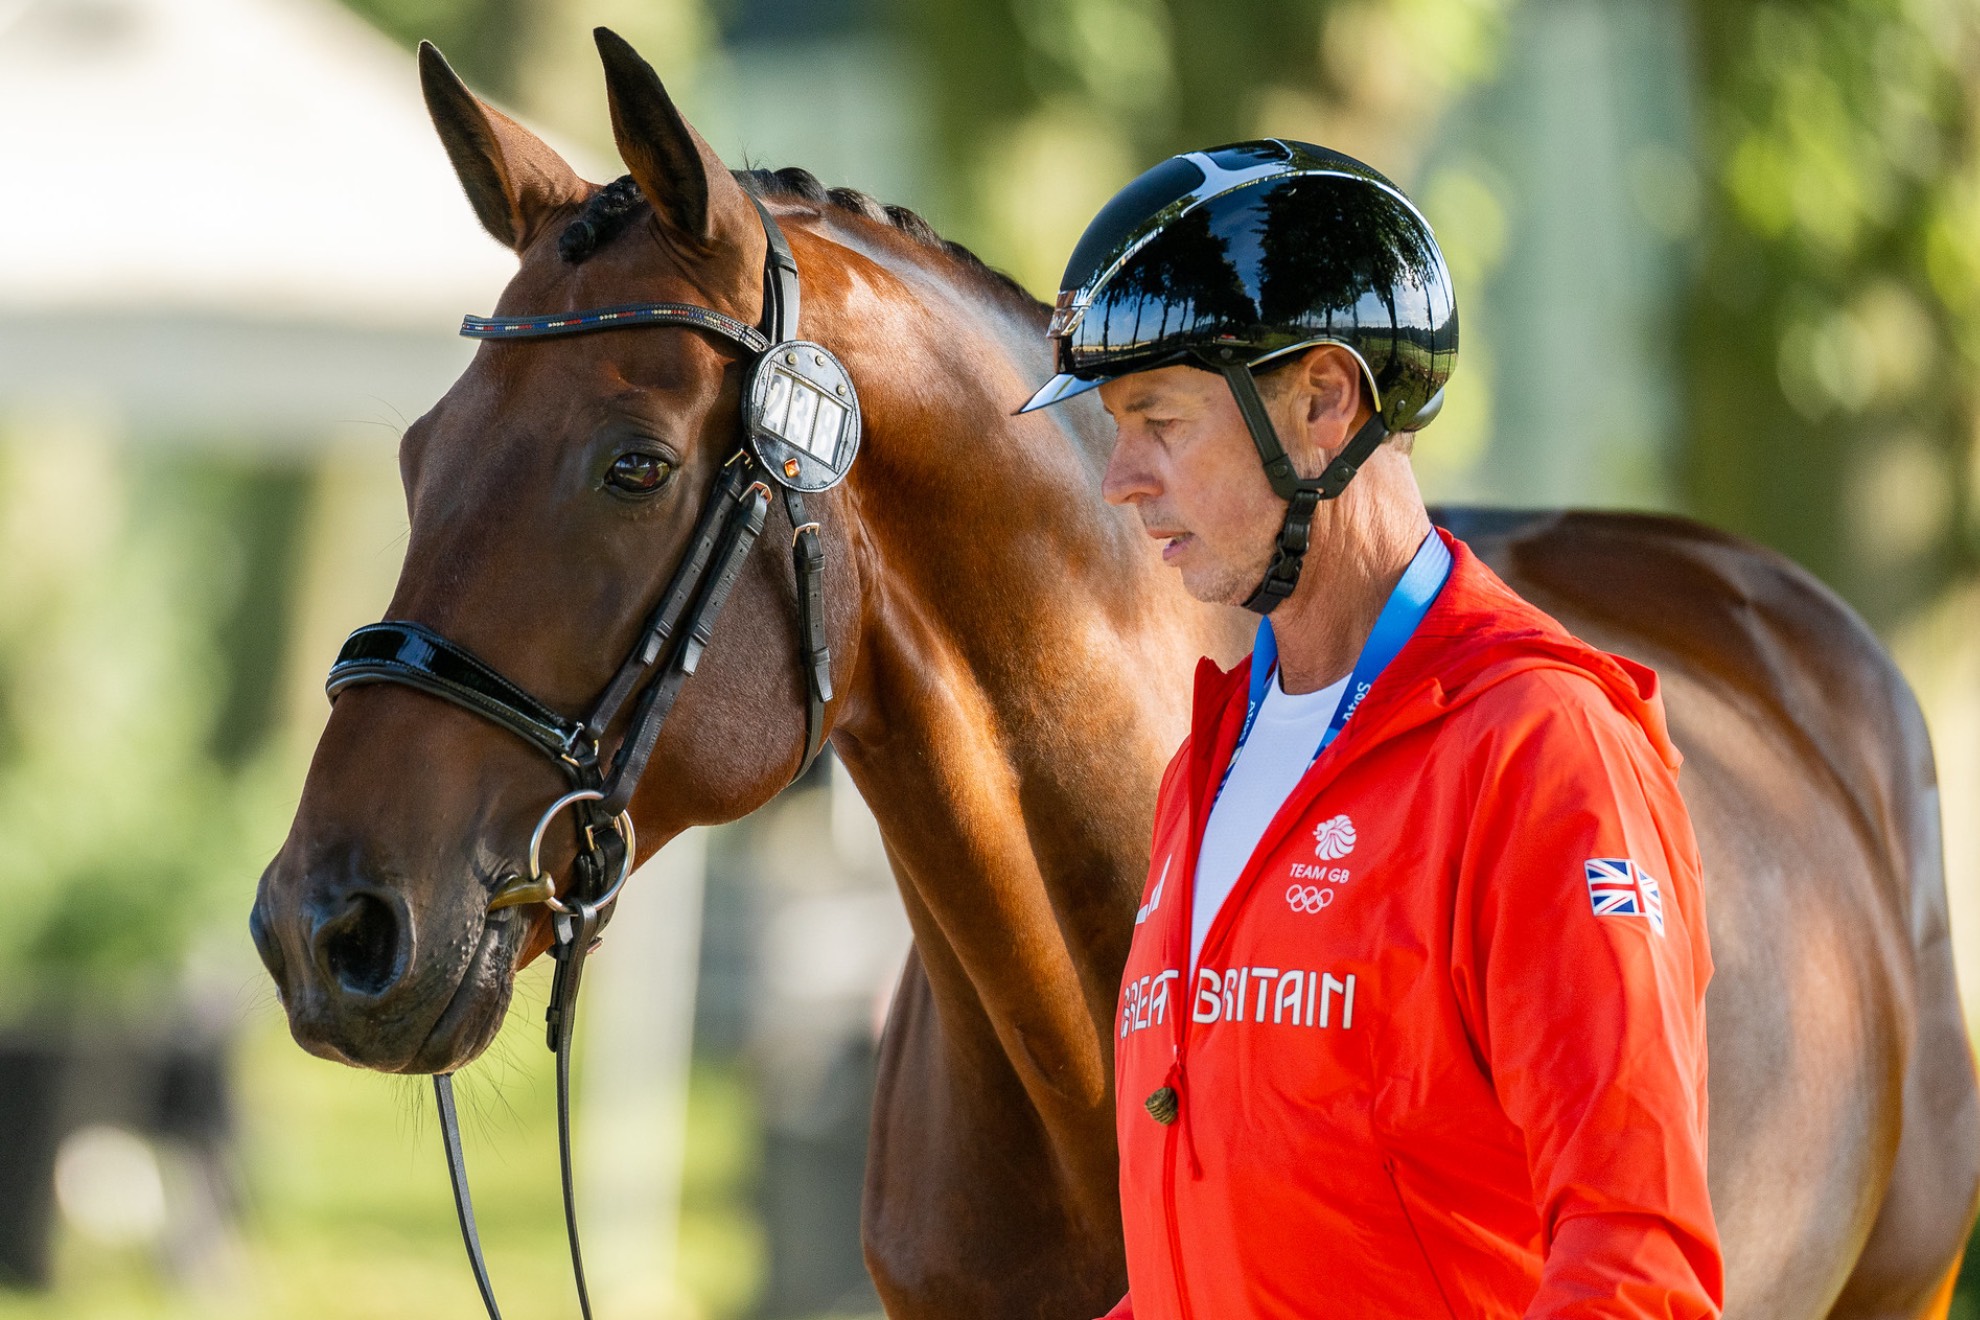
<point>615,207</point>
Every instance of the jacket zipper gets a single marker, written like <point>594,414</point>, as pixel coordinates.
<point>1422,1252</point>
<point>1169,1212</point>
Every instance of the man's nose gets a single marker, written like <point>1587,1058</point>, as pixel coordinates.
<point>1128,476</point>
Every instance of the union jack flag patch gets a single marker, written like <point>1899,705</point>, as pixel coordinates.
<point>1618,887</point>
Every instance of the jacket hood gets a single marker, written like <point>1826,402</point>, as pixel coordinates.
<point>1477,634</point>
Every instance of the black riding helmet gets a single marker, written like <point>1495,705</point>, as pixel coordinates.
<point>1232,258</point>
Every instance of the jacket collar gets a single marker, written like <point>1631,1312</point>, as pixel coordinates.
<point>1477,634</point>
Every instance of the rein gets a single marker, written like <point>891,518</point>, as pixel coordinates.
<point>800,433</point>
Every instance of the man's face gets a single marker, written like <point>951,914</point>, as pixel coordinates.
<point>1185,461</point>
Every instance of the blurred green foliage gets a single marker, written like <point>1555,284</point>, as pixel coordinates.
<point>1043,108</point>
<point>1174,75</point>
<point>1833,329</point>
<point>140,639</point>
<point>482,39</point>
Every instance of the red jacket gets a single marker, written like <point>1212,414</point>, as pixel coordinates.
<point>1444,1052</point>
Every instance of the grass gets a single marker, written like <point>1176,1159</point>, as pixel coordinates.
<point>348,1215</point>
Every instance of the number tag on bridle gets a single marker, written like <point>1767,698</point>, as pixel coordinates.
<point>801,415</point>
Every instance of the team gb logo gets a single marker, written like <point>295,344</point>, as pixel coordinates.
<point>1333,839</point>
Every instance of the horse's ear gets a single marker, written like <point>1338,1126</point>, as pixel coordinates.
<point>689,187</point>
<point>514,181</point>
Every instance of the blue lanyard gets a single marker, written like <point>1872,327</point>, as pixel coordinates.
<point>1397,623</point>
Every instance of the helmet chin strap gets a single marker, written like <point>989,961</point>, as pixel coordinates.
<point>1302,494</point>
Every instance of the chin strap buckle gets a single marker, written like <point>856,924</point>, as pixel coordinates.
<point>1282,575</point>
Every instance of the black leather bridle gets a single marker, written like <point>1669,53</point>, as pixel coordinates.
<point>800,432</point>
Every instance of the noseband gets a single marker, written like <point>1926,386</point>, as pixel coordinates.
<point>800,433</point>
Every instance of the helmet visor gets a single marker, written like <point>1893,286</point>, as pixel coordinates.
<point>1057,390</point>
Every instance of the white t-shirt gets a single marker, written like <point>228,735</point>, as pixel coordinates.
<point>1273,760</point>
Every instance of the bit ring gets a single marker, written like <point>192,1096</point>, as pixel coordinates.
<point>536,887</point>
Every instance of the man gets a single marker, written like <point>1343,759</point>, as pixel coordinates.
<point>1413,1020</point>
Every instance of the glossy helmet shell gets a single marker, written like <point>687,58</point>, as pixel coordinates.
<point>1250,251</point>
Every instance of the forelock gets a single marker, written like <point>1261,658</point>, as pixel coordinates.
<point>609,212</point>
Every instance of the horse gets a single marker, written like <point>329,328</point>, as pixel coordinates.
<point>1010,670</point>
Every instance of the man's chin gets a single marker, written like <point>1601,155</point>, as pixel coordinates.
<point>1219,586</point>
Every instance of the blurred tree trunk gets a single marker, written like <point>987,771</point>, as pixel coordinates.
<point>1831,327</point>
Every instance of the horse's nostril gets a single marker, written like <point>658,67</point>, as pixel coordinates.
<point>361,947</point>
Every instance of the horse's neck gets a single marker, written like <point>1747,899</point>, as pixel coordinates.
<point>1023,675</point>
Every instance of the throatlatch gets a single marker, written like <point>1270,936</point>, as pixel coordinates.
<point>800,433</point>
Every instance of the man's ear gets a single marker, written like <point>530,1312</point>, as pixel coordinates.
<point>514,181</point>
<point>1325,401</point>
<point>692,192</point>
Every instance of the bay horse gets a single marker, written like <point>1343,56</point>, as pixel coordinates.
<point>1011,667</point>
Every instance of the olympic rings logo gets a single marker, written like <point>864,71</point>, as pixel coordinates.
<point>1308,898</point>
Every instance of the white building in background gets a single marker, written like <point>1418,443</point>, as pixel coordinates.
<point>225,219</point>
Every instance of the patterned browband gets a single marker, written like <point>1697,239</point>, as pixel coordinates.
<point>612,318</point>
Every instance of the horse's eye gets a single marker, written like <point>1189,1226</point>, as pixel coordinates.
<point>638,473</point>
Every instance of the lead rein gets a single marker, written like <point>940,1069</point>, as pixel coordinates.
<point>576,932</point>
<point>450,1137</point>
